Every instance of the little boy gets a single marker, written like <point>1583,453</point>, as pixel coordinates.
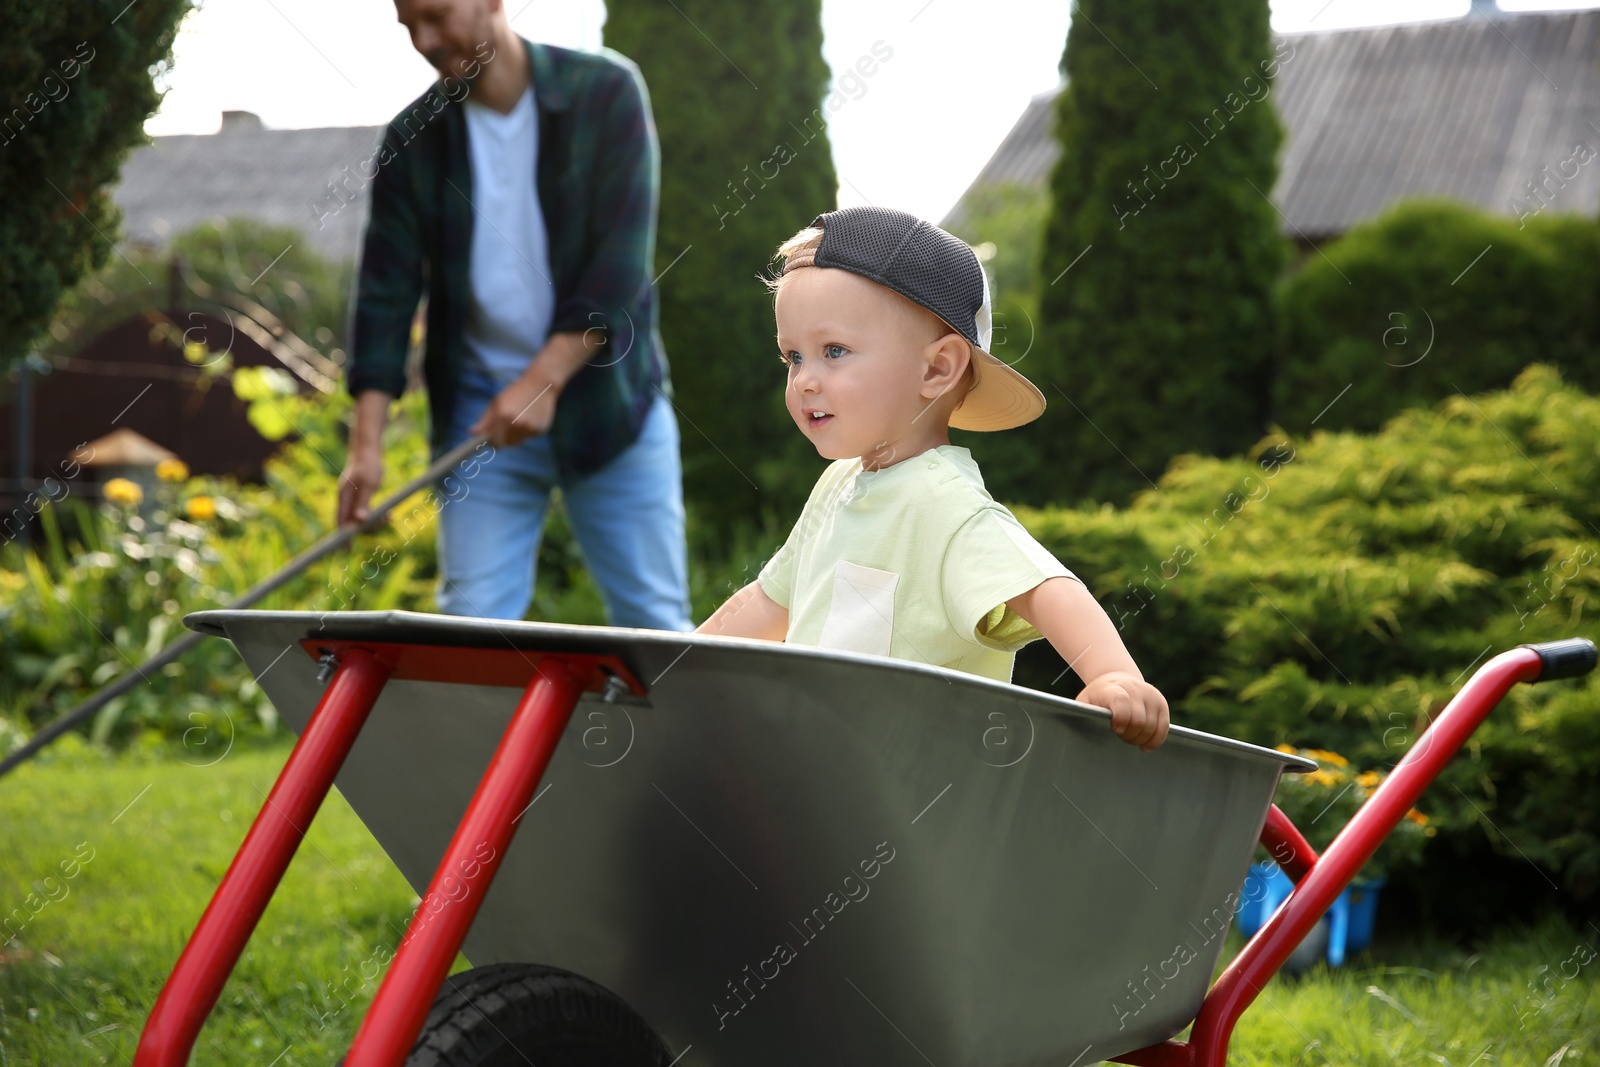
<point>883,326</point>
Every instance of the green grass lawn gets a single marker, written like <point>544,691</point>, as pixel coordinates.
<point>77,984</point>
<point>132,849</point>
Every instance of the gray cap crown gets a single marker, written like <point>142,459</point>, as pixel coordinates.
<point>916,259</point>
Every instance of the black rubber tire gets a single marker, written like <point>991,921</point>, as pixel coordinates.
<point>510,1014</point>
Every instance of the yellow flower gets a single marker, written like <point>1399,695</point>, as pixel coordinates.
<point>1322,777</point>
<point>172,470</point>
<point>200,508</point>
<point>1287,748</point>
<point>1417,817</point>
<point>122,491</point>
<point>1327,757</point>
<point>195,351</point>
<point>1369,779</point>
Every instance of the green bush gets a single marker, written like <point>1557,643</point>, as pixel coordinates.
<point>1334,592</point>
<point>110,583</point>
<point>1430,298</point>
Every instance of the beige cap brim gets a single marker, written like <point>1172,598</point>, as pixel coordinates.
<point>1001,399</point>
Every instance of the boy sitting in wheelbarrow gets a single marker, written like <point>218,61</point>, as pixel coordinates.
<point>883,326</point>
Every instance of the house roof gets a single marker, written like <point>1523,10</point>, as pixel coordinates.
<point>1471,108</point>
<point>124,447</point>
<point>275,176</point>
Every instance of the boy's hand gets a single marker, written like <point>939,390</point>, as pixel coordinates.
<point>1077,627</point>
<point>1138,710</point>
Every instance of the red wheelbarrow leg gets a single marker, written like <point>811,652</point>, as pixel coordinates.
<point>209,957</point>
<point>442,919</point>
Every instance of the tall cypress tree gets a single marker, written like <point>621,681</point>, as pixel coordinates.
<point>740,106</point>
<point>1162,247</point>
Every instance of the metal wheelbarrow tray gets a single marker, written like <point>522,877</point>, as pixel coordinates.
<point>778,854</point>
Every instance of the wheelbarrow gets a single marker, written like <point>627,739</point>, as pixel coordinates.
<point>688,849</point>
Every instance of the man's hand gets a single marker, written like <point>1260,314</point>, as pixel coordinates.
<point>528,405</point>
<point>363,472</point>
<point>522,409</point>
<point>1138,710</point>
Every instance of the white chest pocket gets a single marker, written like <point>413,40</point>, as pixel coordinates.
<point>861,615</point>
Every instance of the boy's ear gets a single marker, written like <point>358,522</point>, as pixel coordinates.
<point>946,361</point>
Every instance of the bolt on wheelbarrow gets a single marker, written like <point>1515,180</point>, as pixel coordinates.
<point>698,850</point>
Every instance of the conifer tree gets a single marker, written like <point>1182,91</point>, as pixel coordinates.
<point>741,105</point>
<point>1162,248</point>
<point>78,86</point>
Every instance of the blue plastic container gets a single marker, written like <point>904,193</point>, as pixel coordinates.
<point>1265,887</point>
<point>1350,917</point>
<point>1363,911</point>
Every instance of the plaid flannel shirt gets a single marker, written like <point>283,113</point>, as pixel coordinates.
<point>598,187</point>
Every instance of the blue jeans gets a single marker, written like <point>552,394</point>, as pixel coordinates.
<point>627,517</point>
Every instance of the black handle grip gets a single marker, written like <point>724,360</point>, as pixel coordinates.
<point>1571,658</point>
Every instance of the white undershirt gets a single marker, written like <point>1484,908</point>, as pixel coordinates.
<point>513,299</point>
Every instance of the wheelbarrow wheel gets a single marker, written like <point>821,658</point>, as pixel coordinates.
<point>510,1014</point>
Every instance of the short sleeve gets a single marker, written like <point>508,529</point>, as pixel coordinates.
<point>989,560</point>
<point>777,575</point>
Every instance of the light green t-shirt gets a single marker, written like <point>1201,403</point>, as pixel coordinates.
<point>915,561</point>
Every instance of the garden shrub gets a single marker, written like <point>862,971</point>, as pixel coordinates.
<point>1334,592</point>
<point>109,584</point>
<point>1430,299</point>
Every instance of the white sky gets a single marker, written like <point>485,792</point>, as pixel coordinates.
<point>961,73</point>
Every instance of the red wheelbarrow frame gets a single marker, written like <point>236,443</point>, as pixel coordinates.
<point>552,684</point>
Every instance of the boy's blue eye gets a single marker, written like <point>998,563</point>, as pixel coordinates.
<point>792,359</point>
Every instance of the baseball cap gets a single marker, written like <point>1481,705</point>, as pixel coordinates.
<point>938,271</point>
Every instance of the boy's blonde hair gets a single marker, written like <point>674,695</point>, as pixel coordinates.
<point>798,251</point>
<point>801,251</point>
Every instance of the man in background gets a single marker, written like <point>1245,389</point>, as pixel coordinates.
<point>519,194</point>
